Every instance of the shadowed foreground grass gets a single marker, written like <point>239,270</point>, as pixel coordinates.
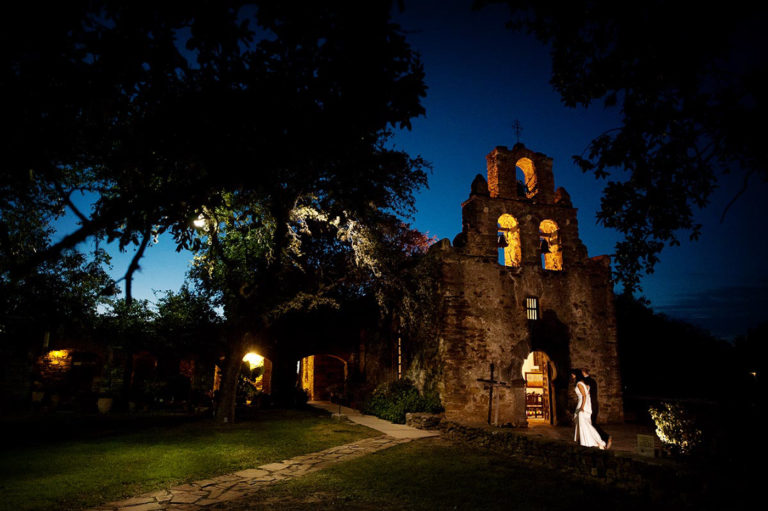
<point>433,474</point>
<point>80,473</point>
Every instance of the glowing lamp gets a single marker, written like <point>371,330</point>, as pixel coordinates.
<point>254,360</point>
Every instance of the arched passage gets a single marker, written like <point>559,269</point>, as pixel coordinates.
<point>551,245</point>
<point>539,373</point>
<point>254,381</point>
<point>510,252</point>
<point>323,376</point>
<point>257,375</point>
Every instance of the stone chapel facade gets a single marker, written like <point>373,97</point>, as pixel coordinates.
<point>520,292</point>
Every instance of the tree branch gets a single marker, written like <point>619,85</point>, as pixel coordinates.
<point>743,189</point>
<point>135,265</point>
<point>67,197</point>
<point>600,135</point>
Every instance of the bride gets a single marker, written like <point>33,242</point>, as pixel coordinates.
<point>585,434</point>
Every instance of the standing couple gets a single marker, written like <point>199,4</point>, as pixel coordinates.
<point>587,432</point>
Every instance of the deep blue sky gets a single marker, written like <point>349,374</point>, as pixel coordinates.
<point>481,77</point>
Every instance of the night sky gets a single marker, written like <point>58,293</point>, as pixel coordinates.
<point>481,78</point>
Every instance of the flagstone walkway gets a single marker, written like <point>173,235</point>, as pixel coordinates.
<point>200,495</point>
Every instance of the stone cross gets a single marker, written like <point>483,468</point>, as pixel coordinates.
<point>490,384</point>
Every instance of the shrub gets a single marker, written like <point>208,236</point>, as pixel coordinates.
<point>391,401</point>
<point>676,428</point>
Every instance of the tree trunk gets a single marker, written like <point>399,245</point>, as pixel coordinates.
<point>285,391</point>
<point>225,410</point>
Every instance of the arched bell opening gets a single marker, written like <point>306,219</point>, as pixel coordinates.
<point>527,182</point>
<point>510,250</point>
<point>551,246</point>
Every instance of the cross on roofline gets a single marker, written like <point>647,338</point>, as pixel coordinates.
<point>518,129</point>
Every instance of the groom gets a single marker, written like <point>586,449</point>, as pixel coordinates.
<point>596,407</point>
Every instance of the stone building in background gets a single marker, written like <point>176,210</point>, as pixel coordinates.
<point>521,295</point>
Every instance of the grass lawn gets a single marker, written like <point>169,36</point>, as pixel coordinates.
<point>433,474</point>
<point>79,473</point>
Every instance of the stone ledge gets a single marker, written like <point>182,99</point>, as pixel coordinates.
<point>620,469</point>
<point>422,420</point>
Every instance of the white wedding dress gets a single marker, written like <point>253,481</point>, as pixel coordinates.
<point>585,434</point>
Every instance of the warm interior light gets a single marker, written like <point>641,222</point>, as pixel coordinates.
<point>529,171</point>
<point>254,360</point>
<point>553,257</point>
<point>509,229</point>
<point>56,357</point>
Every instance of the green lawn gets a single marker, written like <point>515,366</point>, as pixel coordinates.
<point>79,473</point>
<point>433,474</point>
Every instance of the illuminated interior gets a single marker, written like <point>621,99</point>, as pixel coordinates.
<point>57,357</point>
<point>259,379</point>
<point>509,233</point>
<point>539,373</point>
<point>308,376</point>
<point>254,360</point>
<point>549,233</point>
<point>529,173</point>
<point>323,376</point>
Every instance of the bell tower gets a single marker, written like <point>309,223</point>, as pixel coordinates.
<point>537,182</point>
<point>521,295</point>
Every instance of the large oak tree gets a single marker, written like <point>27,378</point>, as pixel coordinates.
<point>172,111</point>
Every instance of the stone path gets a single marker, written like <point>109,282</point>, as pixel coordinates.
<point>209,492</point>
<point>201,494</point>
<point>624,435</point>
<point>386,427</point>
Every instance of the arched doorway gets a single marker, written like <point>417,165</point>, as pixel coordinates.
<point>256,376</point>
<point>323,376</point>
<point>539,373</point>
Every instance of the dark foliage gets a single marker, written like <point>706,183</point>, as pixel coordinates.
<point>752,360</point>
<point>55,300</point>
<point>667,358</point>
<point>691,86</point>
<point>161,108</point>
<point>719,385</point>
<point>391,401</point>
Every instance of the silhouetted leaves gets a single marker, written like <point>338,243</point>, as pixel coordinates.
<point>164,108</point>
<point>691,87</point>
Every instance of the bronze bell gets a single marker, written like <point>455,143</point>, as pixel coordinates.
<point>544,249</point>
<point>502,241</point>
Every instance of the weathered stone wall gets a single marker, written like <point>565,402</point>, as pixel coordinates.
<point>650,476</point>
<point>484,318</point>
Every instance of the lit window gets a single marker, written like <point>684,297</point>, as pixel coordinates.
<point>532,308</point>
<point>399,358</point>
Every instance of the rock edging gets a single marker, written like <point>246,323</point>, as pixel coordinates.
<point>623,470</point>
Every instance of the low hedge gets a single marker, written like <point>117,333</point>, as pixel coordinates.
<point>391,401</point>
